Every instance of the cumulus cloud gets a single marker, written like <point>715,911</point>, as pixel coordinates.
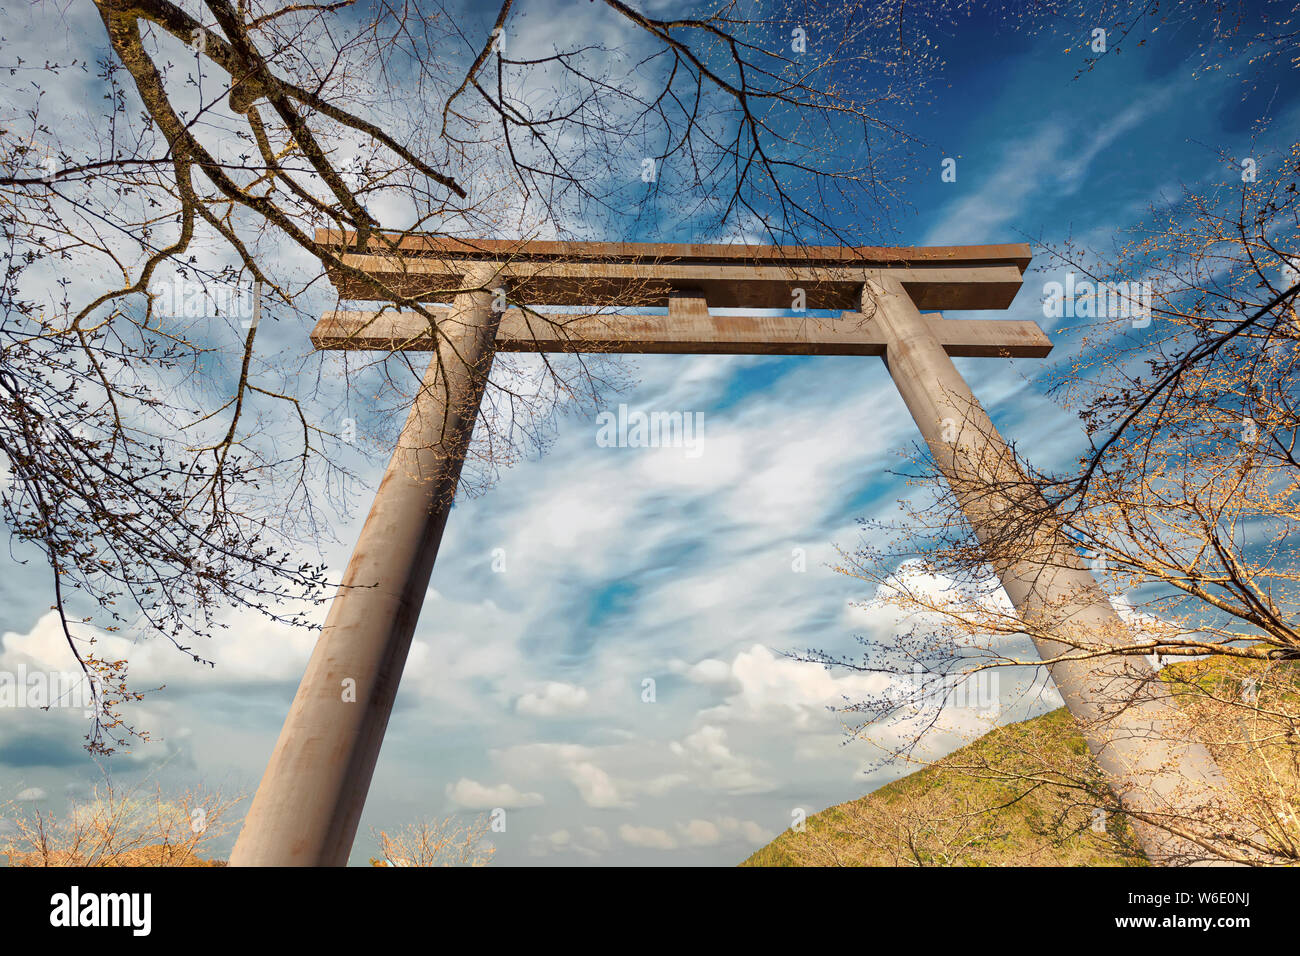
<point>590,842</point>
<point>476,796</point>
<point>573,762</point>
<point>700,832</point>
<point>556,698</point>
<point>250,650</point>
<point>31,794</point>
<point>749,830</point>
<point>597,837</point>
<point>651,838</point>
<point>658,786</point>
<point>794,693</point>
<point>706,748</point>
<point>596,787</point>
<point>708,671</point>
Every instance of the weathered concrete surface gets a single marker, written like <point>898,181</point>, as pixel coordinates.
<point>693,334</point>
<point>737,284</point>
<point>306,811</point>
<point>510,250</point>
<point>647,273</point>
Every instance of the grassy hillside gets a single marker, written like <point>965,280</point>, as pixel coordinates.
<point>994,802</point>
<point>967,810</point>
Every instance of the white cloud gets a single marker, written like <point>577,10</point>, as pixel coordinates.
<point>597,837</point>
<point>555,699</point>
<point>700,833</point>
<point>465,655</point>
<point>662,784</point>
<point>250,650</point>
<point>707,750</point>
<point>1001,198</point>
<point>647,837</point>
<point>708,671</point>
<point>476,796</point>
<point>590,842</point>
<point>595,785</point>
<point>795,693</point>
<point>573,762</point>
<point>31,794</point>
<point>752,832</point>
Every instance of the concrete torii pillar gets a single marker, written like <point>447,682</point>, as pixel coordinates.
<point>308,806</point>
<point>1130,727</point>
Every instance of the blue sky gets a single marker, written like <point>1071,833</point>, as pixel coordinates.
<point>524,688</point>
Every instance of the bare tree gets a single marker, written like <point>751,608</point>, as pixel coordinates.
<point>447,842</point>
<point>1183,503</point>
<point>1245,38</point>
<point>112,828</point>
<point>163,456</point>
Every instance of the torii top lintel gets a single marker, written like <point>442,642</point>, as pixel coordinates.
<point>430,268</point>
<point>688,279</point>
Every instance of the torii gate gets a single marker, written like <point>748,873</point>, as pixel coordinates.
<point>308,806</point>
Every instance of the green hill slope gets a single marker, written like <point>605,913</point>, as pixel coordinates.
<point>981,805</point>
<point>1024,794</point>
